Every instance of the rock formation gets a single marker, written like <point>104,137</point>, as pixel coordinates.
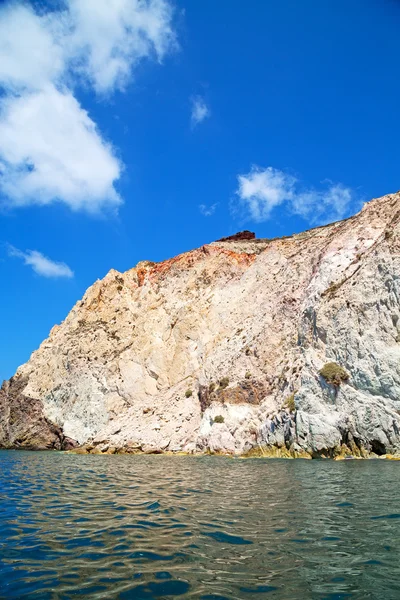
<point>220,350</point>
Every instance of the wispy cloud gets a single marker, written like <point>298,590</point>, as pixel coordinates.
<point>262,189</point>
<point>207,210</point>
<point>50,148</point>
<point>200,111</point>
<point>41,264</point>
<point>330,204</point>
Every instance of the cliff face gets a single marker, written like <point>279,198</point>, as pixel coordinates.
<point>238,329</point>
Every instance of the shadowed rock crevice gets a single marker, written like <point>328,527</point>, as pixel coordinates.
<point>377,447</point>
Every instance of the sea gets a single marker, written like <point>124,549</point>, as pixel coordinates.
<point>205,527</point>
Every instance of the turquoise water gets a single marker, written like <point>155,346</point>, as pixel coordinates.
<point>143,527</point>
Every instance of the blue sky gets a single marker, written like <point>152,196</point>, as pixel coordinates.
<point>133,131</point>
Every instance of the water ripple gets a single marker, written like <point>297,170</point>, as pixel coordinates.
<point>206,528</point>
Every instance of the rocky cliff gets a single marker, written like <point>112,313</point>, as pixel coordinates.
<point>221,349</point>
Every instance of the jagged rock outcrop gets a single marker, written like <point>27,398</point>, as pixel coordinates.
<point>23,423</point>
<point>238,329</point>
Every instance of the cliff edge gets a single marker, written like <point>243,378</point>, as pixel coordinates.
<point>240,346</point>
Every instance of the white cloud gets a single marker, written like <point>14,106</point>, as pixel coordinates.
<point>200,111</point>
<point>50,149</point>
<point>110,37</point>
<point>208,210</point>
<point>261,190</point>
<point>30,57</point>
<point>331,204</point>
<point>41,264</point>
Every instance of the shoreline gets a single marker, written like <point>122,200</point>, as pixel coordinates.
<point>270,455</point>
<point>261,452</point>
<point>339,453</point>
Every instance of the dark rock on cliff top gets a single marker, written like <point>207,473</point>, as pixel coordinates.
<point>239,236</point>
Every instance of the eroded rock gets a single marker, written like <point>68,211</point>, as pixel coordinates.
<point>246,325</point>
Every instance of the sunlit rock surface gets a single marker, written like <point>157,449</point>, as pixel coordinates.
<point>150,357</point>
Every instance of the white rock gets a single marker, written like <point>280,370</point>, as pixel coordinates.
<point>128,355</point>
